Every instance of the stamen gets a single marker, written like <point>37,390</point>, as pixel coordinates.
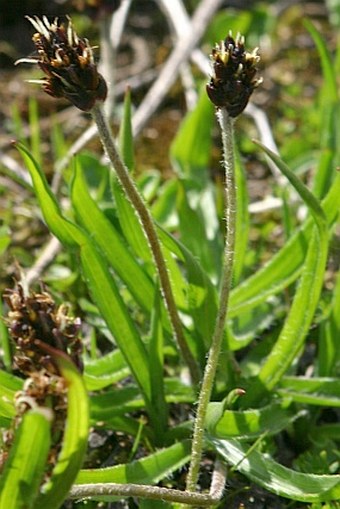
<point>239,70</point>
<point>46,23</point>
<point>26,61</point>
<point>26,400</point>
<point>37,82</point>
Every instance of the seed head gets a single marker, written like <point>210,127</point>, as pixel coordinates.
<point>67,62</point>
<point>35,319</point>
<point>233,79</point>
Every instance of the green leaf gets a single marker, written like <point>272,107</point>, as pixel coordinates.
<point>310,200</point>
<point>285,266</point>
<point>115,402</point>
<point>74,445</point>
<point>5,238</point>
<point>305,300</point>
<point>105,371</point>
<point>131,226</point>
<point>329,148</point>
<point>312,391</point>
<point>64,230</point>
<point>101,283</point>
<point>164,208</point>
<point>248,424</point>
<point>125,134</point>
<point>148,470</point>
<point>110,242</point>
<point>106,295</point>
<point>120,401</point>
<point>329,345</point>
<point>199,228</point>
<point>329,114</point>
<point>156,359</point>
<point>191,147</point>
<point>25,466</point>
<point>242,220</point>
<point>326,62</point>
<point>9,385</point>
<point>201,293</point>
<point>282,481</point>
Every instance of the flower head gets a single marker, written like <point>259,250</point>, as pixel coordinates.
<point>35,319</point>
<point>67,62</point>
<point>233,79</point>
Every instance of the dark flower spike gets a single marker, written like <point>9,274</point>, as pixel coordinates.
<point>233,79</point>
<point>34,319</point>
<point>67,62</point>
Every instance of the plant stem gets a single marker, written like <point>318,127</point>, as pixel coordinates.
<point>156,492</point>
<point>226,124</point>
<point>150,232</point>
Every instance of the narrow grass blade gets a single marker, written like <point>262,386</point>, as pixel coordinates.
<point>328,68</point>
<point>74,443</point>
<point>276,478</point>
<point>25,466</point>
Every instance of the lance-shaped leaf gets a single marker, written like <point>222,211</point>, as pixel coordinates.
<point>102,286</point>
<point>71,456</point>
<point>306,297</point>
<point>26,464</point>
<point>276,478</point>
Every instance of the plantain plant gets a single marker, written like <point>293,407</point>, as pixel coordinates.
<point>165,281</point>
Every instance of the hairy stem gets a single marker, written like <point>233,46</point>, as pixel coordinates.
<point>226,124</point>
<point>150,233</point>
<point>156,492</point>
